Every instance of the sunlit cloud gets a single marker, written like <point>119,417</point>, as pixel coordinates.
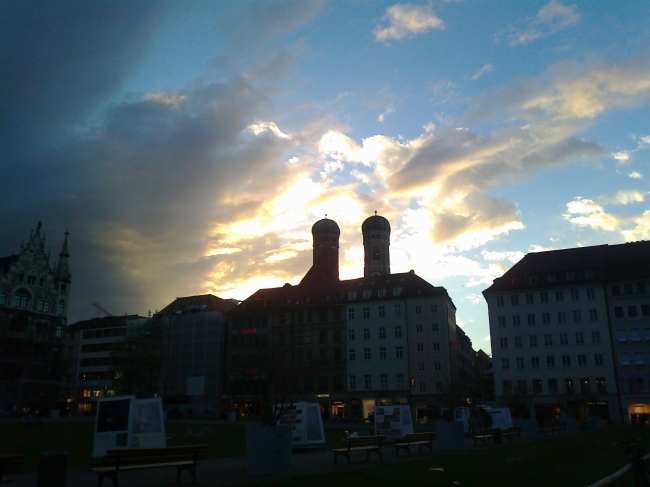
<point>165,98</point>
<point>622,157</point>
<point>513,257</point>
<point>587,213</point>
<point>551,18</point>
<point>407,20</point>
<point>223,251</point>
<point>635,175</point>
<point>591,91</point>
<point>624,197</point>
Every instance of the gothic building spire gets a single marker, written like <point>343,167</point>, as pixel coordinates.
<point>62,272</point>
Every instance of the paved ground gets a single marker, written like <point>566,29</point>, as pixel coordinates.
<point>229,471</point>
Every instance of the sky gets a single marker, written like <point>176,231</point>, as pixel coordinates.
<point>189,147</point>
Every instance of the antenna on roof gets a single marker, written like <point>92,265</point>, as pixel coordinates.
<point>375,212</point>
<point>326,216</point>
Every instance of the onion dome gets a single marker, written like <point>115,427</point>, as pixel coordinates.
<point>326,226</point>
<point>375,223</point>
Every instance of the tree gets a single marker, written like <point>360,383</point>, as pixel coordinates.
<point>269,377</point>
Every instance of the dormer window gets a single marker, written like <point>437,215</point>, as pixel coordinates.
<point>532,279</point>
<point>381,293</point>
<point>570,276</point>
<point>516,281</point>
<point>397,291</point>
<point>550,277</point>
<point>367,294</point>
<point>589,274</point>
<point>352,296</point>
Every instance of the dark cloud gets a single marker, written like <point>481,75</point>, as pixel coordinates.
<point>59,59</point>
<point>139,181</point>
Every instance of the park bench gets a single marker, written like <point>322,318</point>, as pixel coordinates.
<point>415,439</point>
<point>552,429</point>
<point>486,436</point>
<point>369,444</point>
<point>124,459</point>
<point>511,433</point>
<point>10,464</point>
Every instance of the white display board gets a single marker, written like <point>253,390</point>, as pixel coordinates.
<point>113,424</point>
<point>306,422</point>
<point>501,417</point>
<point>127,422</point>
<point>393,421</point>
<point>148,424</point>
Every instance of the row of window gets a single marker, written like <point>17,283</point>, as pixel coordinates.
<point>383,383</point>
<point>552,277</point>
<point>579,339</point>
<point>31,281</point>
<point>629,289</point>
<point>635,335</point>
<point>306,337</point>
<point>638,357</point>
<point>381,311</point>
<point>21,300</point>
<point>383,353</point>
<point>632,311</point>
<point>561,318</point>
<point>543,296</point>
<point>522,387</point>
<point>520,362</point>
<point>381,332</point>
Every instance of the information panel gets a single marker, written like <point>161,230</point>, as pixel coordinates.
<point>393,421</point>
<point>113,424</point>
<point>306,422</point>
<point>148,424</point>
<point>127,422</point>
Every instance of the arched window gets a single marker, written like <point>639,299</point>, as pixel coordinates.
<point>61,307</point>
<point>21,298</point>
<point>375,254</point>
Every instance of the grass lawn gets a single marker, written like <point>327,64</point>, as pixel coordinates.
<point>569,460</point>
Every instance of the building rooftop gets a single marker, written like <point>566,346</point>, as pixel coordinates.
<point>575,266</point>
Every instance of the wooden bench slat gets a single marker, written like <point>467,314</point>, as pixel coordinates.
<point>180,457</point>
<point>415,439</point>
<point>369,444</point>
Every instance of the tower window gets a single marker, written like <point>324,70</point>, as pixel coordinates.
<point>375,254</point>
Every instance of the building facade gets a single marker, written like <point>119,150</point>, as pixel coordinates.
<point>352,344</point>
<point>568,332</point>
<point>34,300</point>
<point>192,331</point>
<point>90,354</point>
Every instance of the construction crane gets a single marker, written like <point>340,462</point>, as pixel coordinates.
<point>102,309</point>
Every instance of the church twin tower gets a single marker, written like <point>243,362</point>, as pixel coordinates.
<point>376,240</point>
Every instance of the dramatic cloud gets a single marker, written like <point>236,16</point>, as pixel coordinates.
<point>407,20</point>
<point>551,18</point>
<point>589,90</point>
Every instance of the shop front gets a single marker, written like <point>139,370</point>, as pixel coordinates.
<point>639,413</point>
